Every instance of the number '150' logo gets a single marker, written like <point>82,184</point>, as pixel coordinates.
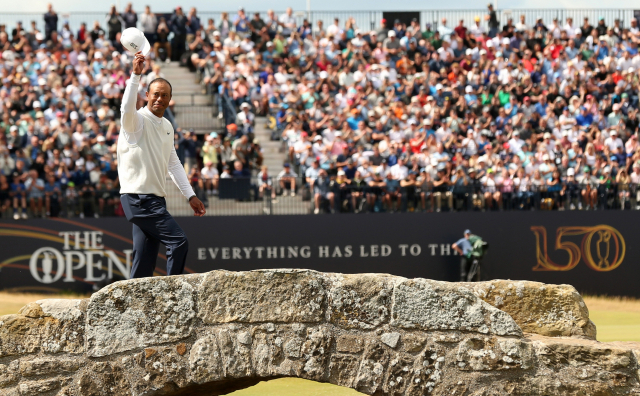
<point>602,248</point>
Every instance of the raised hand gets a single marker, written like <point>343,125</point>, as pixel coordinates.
<point>138,63</point>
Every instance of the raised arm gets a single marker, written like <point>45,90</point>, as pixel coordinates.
<point>130,119</point>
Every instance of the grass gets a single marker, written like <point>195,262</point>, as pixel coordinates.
<point>617,319</point>
<point>294,387</point>
<point>10,303</point>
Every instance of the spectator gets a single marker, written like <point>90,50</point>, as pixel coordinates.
<point>149,25</point>
<point>209,178</point>
<point>178,24</point>
<point>114,23</point>
<point>50,22</point>
<point>130,17</point>
<point>287,180</point>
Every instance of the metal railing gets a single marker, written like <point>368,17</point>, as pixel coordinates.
<point>252,196</point>
<point>365,20</point>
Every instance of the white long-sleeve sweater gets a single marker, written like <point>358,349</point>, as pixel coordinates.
<point>146,151</point>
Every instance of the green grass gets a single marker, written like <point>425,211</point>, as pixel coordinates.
<point>294,387</point>
<point>616,326</point>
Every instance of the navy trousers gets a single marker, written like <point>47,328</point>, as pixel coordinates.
<point>152,224</point>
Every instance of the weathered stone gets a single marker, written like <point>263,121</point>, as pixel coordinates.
<point>372,368</point>
<point>205,360</point>
<point>37,387</point>
<point>262,296</point>
<point>488,353</point>
<point>315,351</point>
<point>431,305</point>
<point>164,370</point>
<point>413,342</point>
<point>350,343</point>
<point>235,356</point>
<point>178,335</point>
<point>48,366</point>
<point>138,313</point>
<point>361,301</point>
<point>399,374</point>
<point>9,373</point>
<point>105,379</point>
<point>343,369</point>
<point>549,310</point>
<point>391,339</point>
<point>35,329</point>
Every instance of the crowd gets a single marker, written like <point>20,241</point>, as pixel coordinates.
<point>533,114</point>
<point>528,114</point>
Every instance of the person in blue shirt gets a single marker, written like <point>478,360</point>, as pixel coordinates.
<point>585,118</point>
<point>463,247</point>
<point>541,106</point>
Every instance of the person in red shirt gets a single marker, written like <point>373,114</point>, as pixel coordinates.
<point>416,142</point>
<point>461,30</point>
<point>556,48</point>
<point>528,62</point>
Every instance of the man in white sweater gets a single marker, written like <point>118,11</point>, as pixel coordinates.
<point>146,153</point>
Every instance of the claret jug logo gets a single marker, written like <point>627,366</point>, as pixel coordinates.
<point>602,248</point>
<point>83,256</point>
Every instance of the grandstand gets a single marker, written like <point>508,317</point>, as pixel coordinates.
<point>292,114</point>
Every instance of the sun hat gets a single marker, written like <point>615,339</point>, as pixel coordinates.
<point>134,40</point>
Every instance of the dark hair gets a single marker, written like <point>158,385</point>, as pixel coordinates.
<point>160,79</point>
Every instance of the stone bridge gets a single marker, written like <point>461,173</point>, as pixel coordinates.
<point>210,334</point>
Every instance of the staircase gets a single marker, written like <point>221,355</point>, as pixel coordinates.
<point>273,158</point>
<point>193,109</point>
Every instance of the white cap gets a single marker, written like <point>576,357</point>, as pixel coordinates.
<point>97,55</point>
<point>338,133</point>
<point>73,115</point>
<point>134,40</point>
<point>571,172</point>
<point>245,104</point>
<point>506,41</point>
<point>323,74</point>
<point>36,103</point>
<point>468,89</point>
<point>438,87</point>
<point>489,44</point>
<point>341,173</point>
<point>392,33</point>
<point>101,138</point>
<point>82,57</point>
<point>13,128</point>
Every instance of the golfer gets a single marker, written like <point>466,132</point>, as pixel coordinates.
<point>146,153</point>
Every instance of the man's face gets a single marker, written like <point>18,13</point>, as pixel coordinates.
<point>158,97</point>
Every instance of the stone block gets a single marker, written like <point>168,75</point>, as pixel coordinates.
<point>139,313</point>
<point>549,310</point>
<point>343,369</point>
<point>431,305</point>
<point>34,329</point>
<point>205,360</point>
<point>104,379</point>
<point>48,366</point>
<point>30,388</point>
<point>277,296</point>
<point>374,362</point>
<point>361,301</point>
<point>9,373</point>
<point>350,343</point>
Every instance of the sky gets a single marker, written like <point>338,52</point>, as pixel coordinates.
<point>337,5</point>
